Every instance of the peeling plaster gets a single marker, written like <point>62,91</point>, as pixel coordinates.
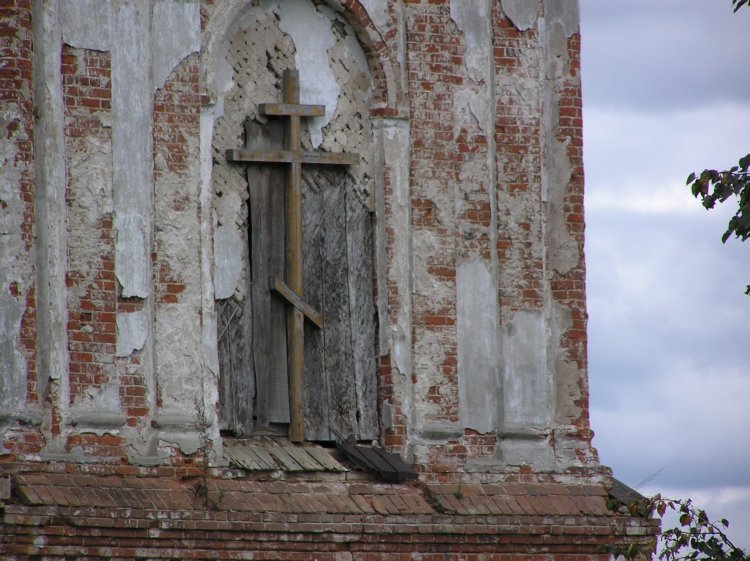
<point>526,378</point>
<point>394,136</point>
<point>567,374</point>
<point>564,12</point>
<point>557,52</point>
<point>98,408</point>
<point>377,10</point>
<point>473,107</point>
<point>208,309</point>
<point>87,24</point>
<point>12,362</point>
<point>50,181</point>
<point>563,251</point>
<point>473,19</point>
<point>522,13</point>
<point>479,361</point>
<point>132,262</point>
<point>311,32</point>
<point>132,122</point>
<point>132,331</point>
<point>177,36</point>
<point>177,328</point>
<point>13,270</point>
<point>90,192</point>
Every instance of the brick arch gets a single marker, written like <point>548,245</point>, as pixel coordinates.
<point>388,97</point>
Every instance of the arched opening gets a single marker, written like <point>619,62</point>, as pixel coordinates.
<point>250,226</point>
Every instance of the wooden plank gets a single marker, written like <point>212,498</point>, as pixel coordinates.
<point>291,109</point>
<point>285,292</point>
<point>304,459</point>
<point>295,321</point>
<point>330,158</point>
<point>370,461</point>
<point>291,156</point>
<point>236,378</point>
<point>404,470</point>
<point>267,257</point>
<point>339,366</point>
<point>362,315</point>
<point>324,458</point>
<point>250,457</point>
<point>316,384</point>
<point>284,459</point>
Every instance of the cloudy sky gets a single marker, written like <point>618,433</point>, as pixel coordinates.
<point>667,92</point>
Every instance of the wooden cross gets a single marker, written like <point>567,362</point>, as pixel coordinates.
<point>291,290</point>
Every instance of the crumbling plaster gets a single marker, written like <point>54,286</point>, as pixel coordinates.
<point>518,355</point>
<point>114,178</point>
<point>523,360</point>
<point>15,269</point>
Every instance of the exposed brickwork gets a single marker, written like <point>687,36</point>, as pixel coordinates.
<point>569,289</point>
<point>519,164</point>
<point>176,130</point>
<point>472,190</point>
<point>149,514</point>
<point>17,280</point>
<point>435,68</point>
<point>90,277</point>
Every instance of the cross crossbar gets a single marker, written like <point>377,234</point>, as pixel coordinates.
<point>289,156</point>
<point>291,290</point>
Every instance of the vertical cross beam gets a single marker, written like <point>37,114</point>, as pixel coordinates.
<point>292,290</point>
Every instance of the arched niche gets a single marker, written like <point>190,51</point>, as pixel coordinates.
<point>247,46</point>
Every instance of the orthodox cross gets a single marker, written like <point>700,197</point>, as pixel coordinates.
<point>291,290</point>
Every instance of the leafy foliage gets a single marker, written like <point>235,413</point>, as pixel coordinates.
<point>697,538</point>
<point>713,186</point>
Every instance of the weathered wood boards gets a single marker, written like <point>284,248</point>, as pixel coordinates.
<point>308,237</point>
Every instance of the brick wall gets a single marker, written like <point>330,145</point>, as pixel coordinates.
<point>154,513</point>
<point>90,277</point>
<point>17,208</point>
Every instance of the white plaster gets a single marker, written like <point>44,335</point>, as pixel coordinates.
<point>132,331</point>
<point>564,251</point>
<point>87,24</point>
<point>12,362</point>
<point>50,179</point>
<point>132,101</point>
<point>354,50</point>
<point>178,357</point>
<point>522,13</point>
<point>396,155</point>
<point>227,261</point>
<point>556,48</point>
<point>177,25</point>
<point>377,10</point>
<point>479,371</point>
<point>90,190</point>
<point>210,353</point>
<point>98,406</point>
<point>472,107</point>
<point>526,379</point>
<point>312,35</point>
<point>473,19</point>
<point>132,259</point>
<point>565,12</point>
<point>14,268</point>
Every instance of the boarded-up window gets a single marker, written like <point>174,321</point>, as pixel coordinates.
<point>340,370</point>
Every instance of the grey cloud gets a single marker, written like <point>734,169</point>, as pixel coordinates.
<point>670,54</point>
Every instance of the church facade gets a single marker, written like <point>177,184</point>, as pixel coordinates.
<point>252,249</point>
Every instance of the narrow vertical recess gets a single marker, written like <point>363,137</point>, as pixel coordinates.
<point>49,151</point>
